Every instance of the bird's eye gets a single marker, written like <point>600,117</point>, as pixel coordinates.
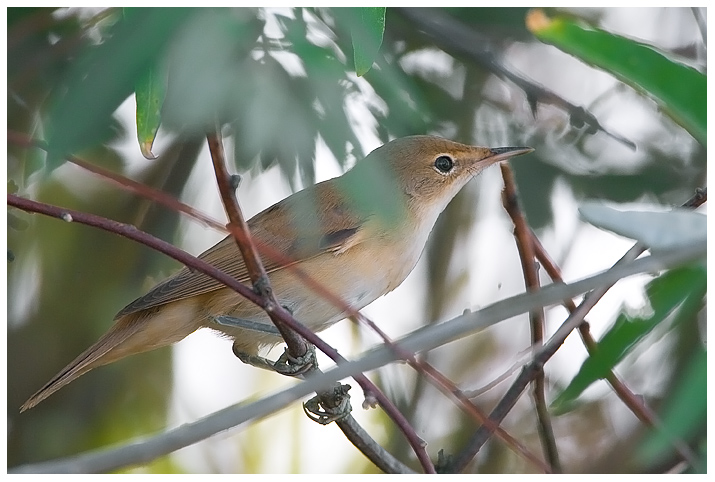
<point>444,164</point>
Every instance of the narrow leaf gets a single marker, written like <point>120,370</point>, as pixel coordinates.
<point>680,90</point>
<point>367,31</point>
<point>149,93</point>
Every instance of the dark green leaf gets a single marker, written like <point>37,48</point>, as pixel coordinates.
<point>680,289</point>
<point>682,415</point>
<point>680,90</point>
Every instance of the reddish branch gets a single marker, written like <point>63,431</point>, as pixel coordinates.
<point>525,245</point>
<point>296,344</point>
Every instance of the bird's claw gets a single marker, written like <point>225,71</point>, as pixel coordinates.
<point>285,365</point>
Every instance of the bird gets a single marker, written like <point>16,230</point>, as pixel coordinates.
<point>359,235</point>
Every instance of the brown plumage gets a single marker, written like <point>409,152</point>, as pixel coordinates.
<point>359,235</point>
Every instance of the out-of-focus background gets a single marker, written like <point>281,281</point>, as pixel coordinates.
<point>283,83</point>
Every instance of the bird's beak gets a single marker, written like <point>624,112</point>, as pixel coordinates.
<point>499,154</point>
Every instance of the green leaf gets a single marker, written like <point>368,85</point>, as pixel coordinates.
<point>104,76</point>
<point>149,92</point>
<point>680,90</point>
<point>367,31</point>
<point>681,289</point>
<point>682,414</point>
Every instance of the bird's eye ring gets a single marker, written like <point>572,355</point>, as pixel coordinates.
<point>444,164</point>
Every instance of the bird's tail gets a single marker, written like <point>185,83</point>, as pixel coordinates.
<point>131,334</point>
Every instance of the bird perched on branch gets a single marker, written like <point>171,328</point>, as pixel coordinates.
<point>358,235</point>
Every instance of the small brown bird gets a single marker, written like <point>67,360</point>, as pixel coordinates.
<point>359,235</point>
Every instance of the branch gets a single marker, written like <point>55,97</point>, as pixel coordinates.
<point>148,192</point>
<point>227,185</point>
<point>296,344</point>
<point>575,319</point>
<point>425,338</point>
<point>525,245</point>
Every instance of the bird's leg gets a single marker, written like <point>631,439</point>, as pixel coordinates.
<point>285,365</point>
<point>327,406</point>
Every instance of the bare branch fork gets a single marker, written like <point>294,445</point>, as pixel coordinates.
<point>535,367</point>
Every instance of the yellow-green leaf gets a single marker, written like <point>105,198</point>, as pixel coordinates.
<point>150,91</point>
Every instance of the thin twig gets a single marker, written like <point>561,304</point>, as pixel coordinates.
<point>524,243</point>
<point>296,344</point>
<point>575,319</point>
<point>148,192</point>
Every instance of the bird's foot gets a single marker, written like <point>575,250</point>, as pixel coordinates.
<point>329,406</point>
<point>285,365</point>
<point>292,366</point>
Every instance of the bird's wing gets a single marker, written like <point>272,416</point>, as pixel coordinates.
<point>291,229</point>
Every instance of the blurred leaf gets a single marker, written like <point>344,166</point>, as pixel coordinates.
<point>681,91</point>
<point>682,414</point>
<point>150,92</point>
<point>367,30</point>
<point>408,112</point>
<point>681,289</point>
<point>497,21</point>
<point>105,76</point>
<point>211,70</point>
<point>330,85</point>
<point>371,187</point>
<point>657,230</point>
